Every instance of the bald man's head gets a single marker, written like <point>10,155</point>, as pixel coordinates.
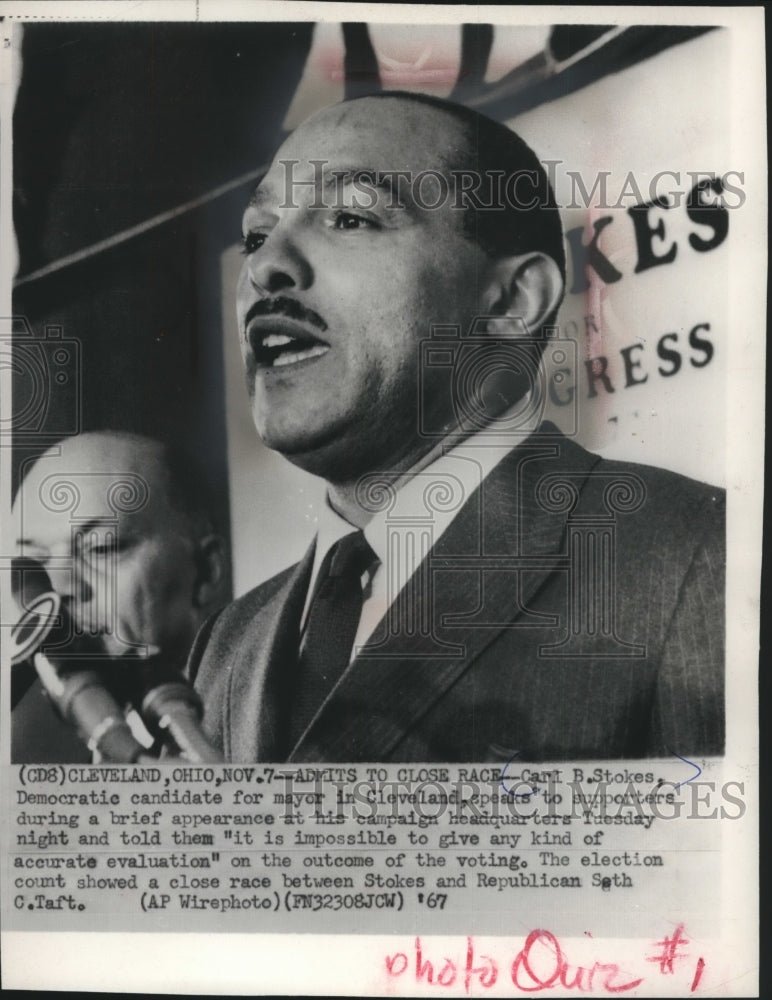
<point>117,522</point>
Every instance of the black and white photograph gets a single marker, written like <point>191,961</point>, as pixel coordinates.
<point>382,407</point>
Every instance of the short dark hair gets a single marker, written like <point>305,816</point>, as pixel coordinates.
<point>493,148</point>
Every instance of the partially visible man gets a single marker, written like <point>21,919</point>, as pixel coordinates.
<point>481,587</point>
<point>122,527</point>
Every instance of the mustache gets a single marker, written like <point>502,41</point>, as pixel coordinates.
<point>284,306</point>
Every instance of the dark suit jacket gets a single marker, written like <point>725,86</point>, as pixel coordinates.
<point>576,608</point>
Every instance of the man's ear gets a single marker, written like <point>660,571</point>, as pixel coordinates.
<point>526,285</point>
<point>210,570</point>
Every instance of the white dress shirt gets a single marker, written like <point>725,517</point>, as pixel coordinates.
<point>414,513</point>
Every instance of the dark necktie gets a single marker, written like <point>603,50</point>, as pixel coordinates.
<point>333,619</point>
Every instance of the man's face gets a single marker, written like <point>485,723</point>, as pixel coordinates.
<point>334,300</point>
<point>118,554</point>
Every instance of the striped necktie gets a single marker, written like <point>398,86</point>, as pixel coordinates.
<point>331,627</point>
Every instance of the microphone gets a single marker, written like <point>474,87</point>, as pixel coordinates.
<point>32,593</point>
<point>44,636</point>
<point>172,710</point>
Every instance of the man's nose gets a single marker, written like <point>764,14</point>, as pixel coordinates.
<point>279,264</point>
<point>67,581</point>
<point>62,578</point>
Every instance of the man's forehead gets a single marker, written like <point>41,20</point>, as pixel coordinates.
<point>372,134</point>
<point>93,481</point>
<point>53,507</point>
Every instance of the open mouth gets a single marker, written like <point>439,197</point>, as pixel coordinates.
<point>279,343</point>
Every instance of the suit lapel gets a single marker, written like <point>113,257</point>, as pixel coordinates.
<point>263,671</point>
<point>472,588</point>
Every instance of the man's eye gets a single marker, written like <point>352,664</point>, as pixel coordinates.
<point>251,242</point>
<point>94,552</point>
<point>347,220</point>
<point>97,548</point>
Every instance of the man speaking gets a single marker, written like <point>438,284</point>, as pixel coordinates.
<point>480,586</point>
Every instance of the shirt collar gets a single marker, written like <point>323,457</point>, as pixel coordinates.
<point>455,468</point>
